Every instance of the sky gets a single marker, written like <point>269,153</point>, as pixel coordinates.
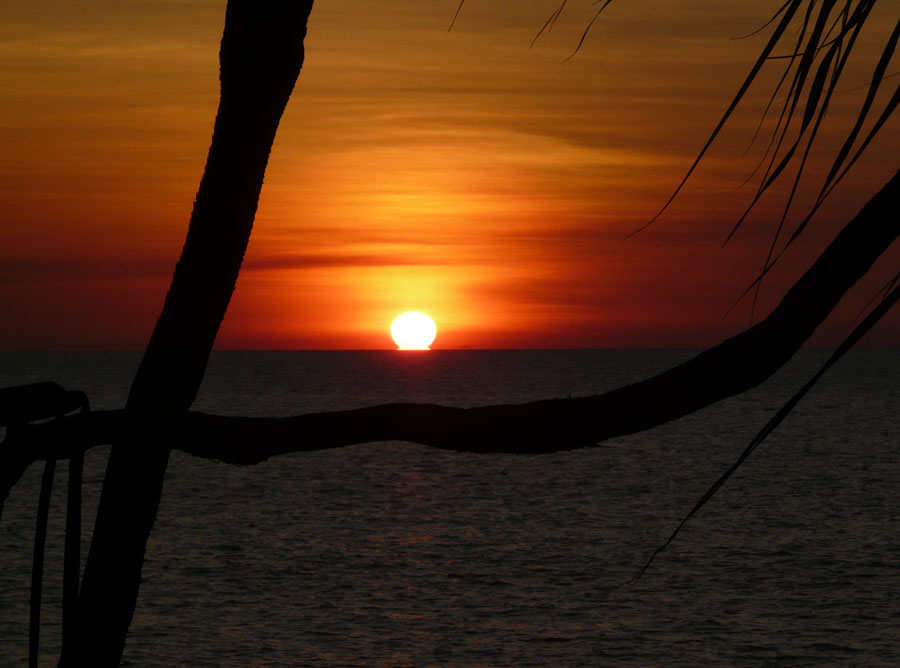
<point>461,173</point>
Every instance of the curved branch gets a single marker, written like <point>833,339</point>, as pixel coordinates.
<point>732,367</point>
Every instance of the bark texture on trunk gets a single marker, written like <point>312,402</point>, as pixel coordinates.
<point>260,58</point>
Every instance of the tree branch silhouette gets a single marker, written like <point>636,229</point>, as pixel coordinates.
<point>734,366</point>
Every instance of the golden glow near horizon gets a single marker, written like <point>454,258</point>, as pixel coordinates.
<point>413,331</point>
<point>494,182</point>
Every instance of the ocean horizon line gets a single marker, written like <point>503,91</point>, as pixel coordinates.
<point>428,350</point>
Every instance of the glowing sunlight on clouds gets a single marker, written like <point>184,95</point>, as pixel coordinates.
<point>489,184</point>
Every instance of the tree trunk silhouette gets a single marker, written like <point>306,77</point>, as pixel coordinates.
<point>260,58</point>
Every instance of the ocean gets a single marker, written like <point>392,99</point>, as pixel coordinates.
<point>395,554</point>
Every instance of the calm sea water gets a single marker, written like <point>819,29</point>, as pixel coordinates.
<point>393,554</point>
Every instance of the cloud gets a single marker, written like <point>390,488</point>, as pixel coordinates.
<point>66,270</point>
<point>314,261</point>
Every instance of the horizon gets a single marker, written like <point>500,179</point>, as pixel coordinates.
<point>808,346</point>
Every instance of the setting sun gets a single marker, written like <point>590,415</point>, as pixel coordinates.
<point>413,331</point>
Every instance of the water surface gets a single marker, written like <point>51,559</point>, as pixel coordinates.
<point>393,554</point>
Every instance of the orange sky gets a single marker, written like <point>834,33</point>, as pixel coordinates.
<point>458,174</point>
